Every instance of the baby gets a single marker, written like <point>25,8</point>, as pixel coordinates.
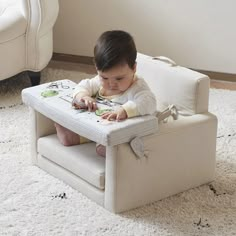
<point>116,82</point>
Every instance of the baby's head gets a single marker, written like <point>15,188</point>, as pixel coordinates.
<point>114,48</point>
<point>115,59</point>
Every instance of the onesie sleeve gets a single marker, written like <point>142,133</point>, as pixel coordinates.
<point>87,87</point>
<point>141,100</point>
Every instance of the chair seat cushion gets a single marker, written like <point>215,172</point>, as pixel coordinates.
<point>13,23</point>
<point>81,160</point>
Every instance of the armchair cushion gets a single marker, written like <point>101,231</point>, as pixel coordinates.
<point>11,27</point>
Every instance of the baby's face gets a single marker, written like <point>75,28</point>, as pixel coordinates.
<point>117,79</point>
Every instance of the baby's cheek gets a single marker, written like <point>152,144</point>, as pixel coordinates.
<point>104,85</point>
<point>123,88</point>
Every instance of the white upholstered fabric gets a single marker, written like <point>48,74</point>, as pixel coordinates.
<point>87,124</point>
<point>187,89</point>
<point>12,27</point>
<point>70,178</point>
<point>25,35</point>
<point>180,155</point>
<point>81,160</point>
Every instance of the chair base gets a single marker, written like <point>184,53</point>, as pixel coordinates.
<point>93,193</point>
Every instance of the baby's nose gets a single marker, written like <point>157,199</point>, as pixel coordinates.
<point>112,83</point>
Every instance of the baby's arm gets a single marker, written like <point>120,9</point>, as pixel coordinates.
<point>141,104</point>
<point>141,101</point>
<point>82,96</point>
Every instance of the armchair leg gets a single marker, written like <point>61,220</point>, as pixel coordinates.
<point>34,77</point>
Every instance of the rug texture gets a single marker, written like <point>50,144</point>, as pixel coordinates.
<point>34,203</point>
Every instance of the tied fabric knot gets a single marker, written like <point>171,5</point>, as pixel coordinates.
<point>138,148</point>
<point>171,110</point>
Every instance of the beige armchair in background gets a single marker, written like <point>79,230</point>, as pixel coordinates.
<point>26,36</point>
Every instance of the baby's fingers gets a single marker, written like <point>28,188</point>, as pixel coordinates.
<point>120,117</point>
<point>79,104</point>
<point>95,107</point>
<point>109,116</point>
<point>92,106</point>
<point>105,115</point>
<point>112,116</point>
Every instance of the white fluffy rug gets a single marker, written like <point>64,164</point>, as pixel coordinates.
<point>35,203</point>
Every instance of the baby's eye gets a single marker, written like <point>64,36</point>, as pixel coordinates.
<point>119,79</point>
<point>104,78</point>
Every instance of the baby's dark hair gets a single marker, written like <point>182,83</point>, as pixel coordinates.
<point>114,48</point>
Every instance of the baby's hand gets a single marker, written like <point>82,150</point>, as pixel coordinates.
<point>78,104</point>
<point>85,103</point>
<point>119,114</point>
<point>90,103</point>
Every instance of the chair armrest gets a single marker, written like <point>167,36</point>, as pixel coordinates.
<point>41,16</point>
<point>181,156</point>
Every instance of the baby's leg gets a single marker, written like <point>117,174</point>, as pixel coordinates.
<point>101,150</point>
<point>70,138</point>
<point>66,136</point>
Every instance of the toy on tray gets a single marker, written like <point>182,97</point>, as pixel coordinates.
<point>49,93</point>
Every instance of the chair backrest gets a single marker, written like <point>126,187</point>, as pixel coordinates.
<point>172,84</point>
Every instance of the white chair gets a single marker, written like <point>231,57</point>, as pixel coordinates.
<point>26,36</point>
<point>180,155</point>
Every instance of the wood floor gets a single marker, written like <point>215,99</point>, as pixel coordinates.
<point>218,84</point>
<point>90,69</point>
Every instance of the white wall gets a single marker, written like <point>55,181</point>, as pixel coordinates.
<point>199,34</point>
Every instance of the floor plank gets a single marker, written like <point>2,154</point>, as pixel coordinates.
<point>223,85</point>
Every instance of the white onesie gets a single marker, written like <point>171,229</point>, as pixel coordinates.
<point>136,100</point>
